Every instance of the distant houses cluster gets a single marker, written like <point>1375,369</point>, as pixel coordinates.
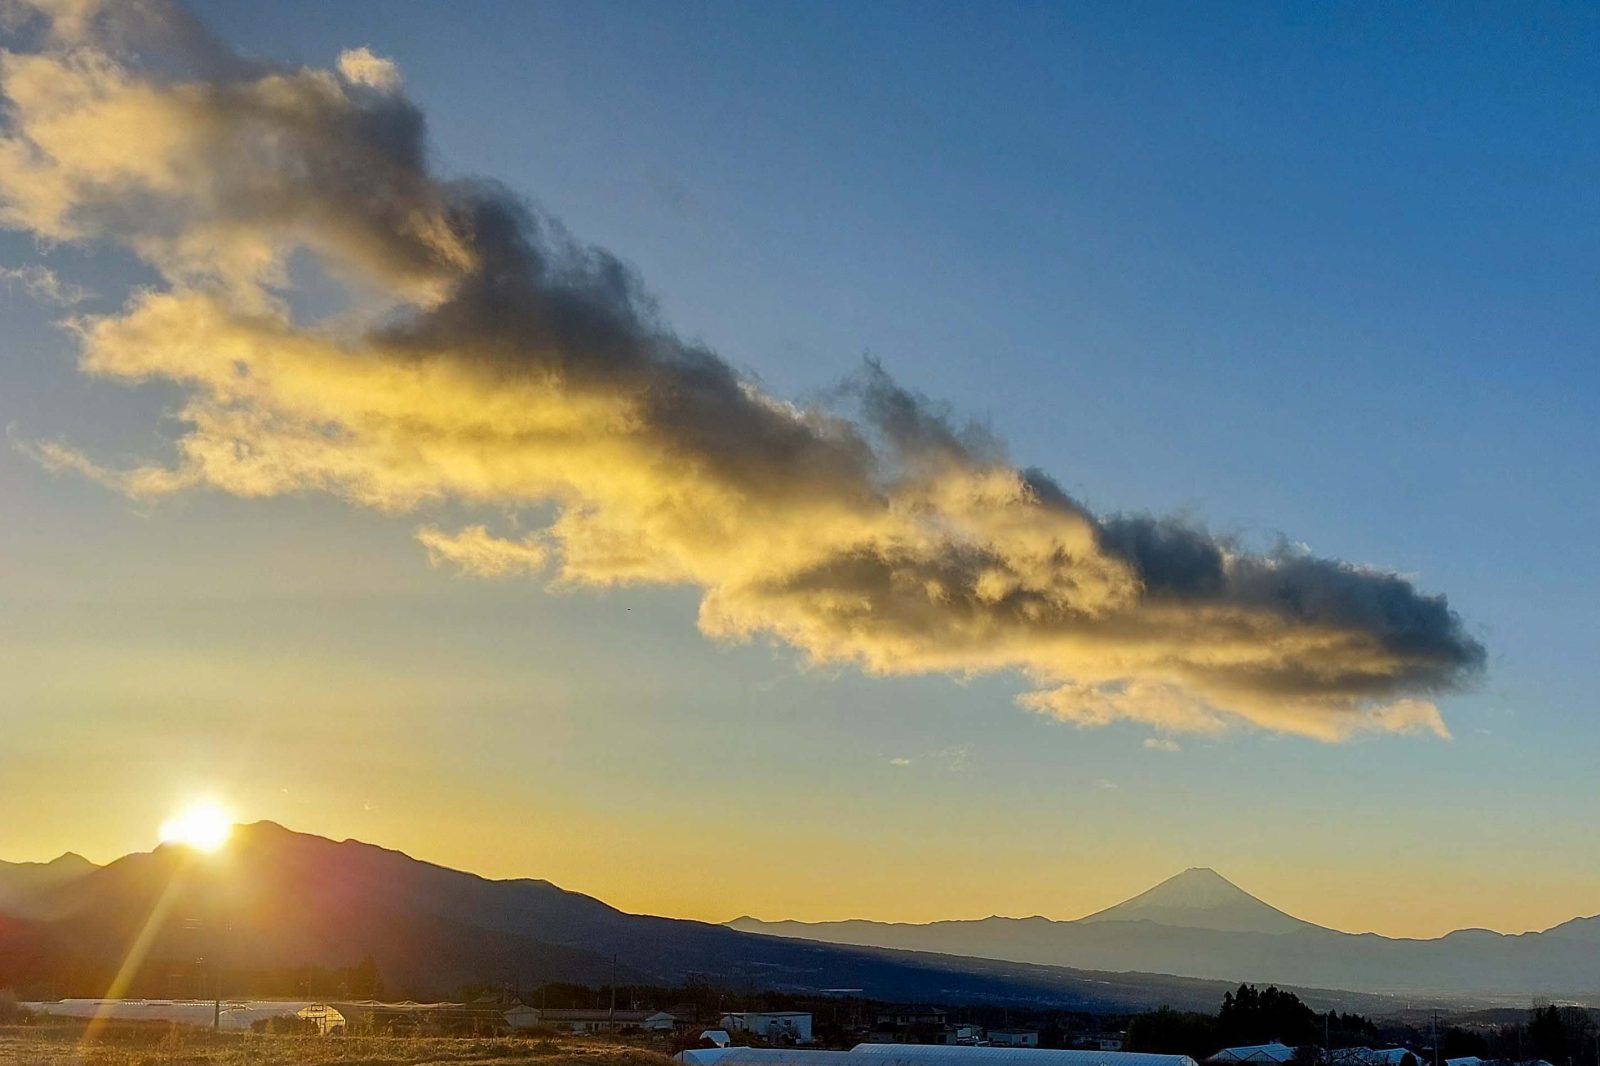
<point>520,1016</point>
<point>899,1035</point>
<point>992,1054</point>
<point>868,1054</point>
<point>901,1025</point>
<point>904,1026</point>
<point>932,1026</point>
<point>1276,1054</point>
<point>783,1027</point>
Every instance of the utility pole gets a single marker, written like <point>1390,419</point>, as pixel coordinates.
<point>1435,1028</point>
<point>612,1016</point>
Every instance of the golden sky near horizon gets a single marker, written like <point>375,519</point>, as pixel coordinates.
<point>366,499</point>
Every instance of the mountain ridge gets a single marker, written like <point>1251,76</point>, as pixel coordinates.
<point>274,902</point>
<point>296,899</point>
<point>21,883</point>
<point>1199,924</point>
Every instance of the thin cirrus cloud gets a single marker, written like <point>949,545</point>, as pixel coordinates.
<point>43,284</point>
<point>507,366</point>
<point>478,552</point>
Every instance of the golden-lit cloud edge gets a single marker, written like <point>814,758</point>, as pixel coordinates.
<point>491,361</point>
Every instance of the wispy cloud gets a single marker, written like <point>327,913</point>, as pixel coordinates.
<point>43,284</point>
<point>514,367</point>
<point>1162,744</point>
<point>477,552</point>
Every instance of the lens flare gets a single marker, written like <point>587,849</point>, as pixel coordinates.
<point>204,827</point>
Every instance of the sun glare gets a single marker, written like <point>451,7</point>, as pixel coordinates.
<point>204,827</point>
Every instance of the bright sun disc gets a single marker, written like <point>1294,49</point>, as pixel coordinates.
<point>204,828</point>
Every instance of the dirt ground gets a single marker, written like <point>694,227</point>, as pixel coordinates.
<point>39,1046</point>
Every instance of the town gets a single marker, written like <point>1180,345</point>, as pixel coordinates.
<point>1272,1027</point>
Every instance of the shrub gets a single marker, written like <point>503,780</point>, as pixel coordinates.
<point>12,1012</point>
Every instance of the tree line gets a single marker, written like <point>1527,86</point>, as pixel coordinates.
<point>1561,1035</point>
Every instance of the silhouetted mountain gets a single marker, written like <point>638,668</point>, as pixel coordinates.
<point>1199,924</point>
<point>22,883</point>
<point>274,902</point>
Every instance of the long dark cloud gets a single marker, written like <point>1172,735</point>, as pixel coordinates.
<point>489,359</point>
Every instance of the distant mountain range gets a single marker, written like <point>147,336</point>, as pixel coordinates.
<point>1199,924</point>
<point>23,881</point>
<point>274,900</point>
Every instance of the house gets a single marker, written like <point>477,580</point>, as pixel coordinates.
<point>522,1017</point>
<point>910,1015</point>
<point>1014,1037</point>
<point>1254,1054</point>
<point>912,1024</point>
<point>775,1027</point>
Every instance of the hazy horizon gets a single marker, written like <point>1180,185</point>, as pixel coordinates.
<point>1129,894</point>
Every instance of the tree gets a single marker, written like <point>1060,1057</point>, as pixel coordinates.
<point>1455,1043</point>
<point>11,1011</point>
<point>1252,1016</point>
<point>1348,1030</point>
<point>1170,1032</point>
<point>365,982</point>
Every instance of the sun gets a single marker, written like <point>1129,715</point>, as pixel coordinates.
<point>204,827</point>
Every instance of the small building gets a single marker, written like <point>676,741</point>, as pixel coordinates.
<point>910,1015</point>
<point>1392,1056</point>
<point>770,1056</point>
<point>522,1017</point>
<point>1365,1056</point>
<point>926,1055</point>
<point>775,1027</point>
<point>1014,1037</point>
<point>328,1020</point>
<point>910,1024</point>
<point>1253,1054</point>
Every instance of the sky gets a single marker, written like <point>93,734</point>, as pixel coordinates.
<point>1312,276</point>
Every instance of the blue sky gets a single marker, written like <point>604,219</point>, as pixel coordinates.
<point>1323,272</point>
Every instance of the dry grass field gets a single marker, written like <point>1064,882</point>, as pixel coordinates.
<point>66,1046</point>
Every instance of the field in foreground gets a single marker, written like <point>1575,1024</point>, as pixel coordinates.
<point>179,1047</point>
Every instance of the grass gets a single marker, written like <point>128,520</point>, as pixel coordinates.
<point>180,1046</point>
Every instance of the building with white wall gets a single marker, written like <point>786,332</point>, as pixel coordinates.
<point>775,1027</point>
